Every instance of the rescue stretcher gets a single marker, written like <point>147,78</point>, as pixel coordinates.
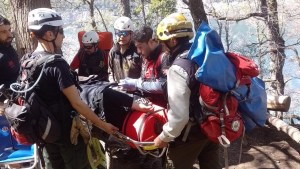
<point>138,129</point>
<point>141,128</point>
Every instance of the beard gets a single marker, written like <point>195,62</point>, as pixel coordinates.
<point>6,42</point>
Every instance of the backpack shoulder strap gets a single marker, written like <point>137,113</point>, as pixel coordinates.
<point>32,65</point>
<point>190,67</point>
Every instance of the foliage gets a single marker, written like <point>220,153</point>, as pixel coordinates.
<point>5,9</point>
<point>162,8</point>
<point>156,10</point>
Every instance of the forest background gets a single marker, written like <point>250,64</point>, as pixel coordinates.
<point>265,30</point>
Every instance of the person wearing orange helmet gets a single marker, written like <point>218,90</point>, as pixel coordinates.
<point>186,142</point>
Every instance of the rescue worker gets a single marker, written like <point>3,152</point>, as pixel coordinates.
<point>57,88</point>
<point>186,142</point>
<point>153,77</point>
<point>124,62</point>
<point>9,61</point>
<point>123,59</point>
<point>91,60</point>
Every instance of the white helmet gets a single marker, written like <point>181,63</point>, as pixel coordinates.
<point>90,37</point>
<point>43,16</point>
<point>123,24</point>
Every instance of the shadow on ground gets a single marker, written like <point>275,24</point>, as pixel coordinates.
<point>264,147</point>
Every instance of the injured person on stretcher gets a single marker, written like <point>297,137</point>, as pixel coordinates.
<point>137,119</point>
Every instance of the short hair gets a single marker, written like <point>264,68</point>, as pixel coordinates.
<point>40,33</point>
<point>4,21</point>
<point>144,34</point>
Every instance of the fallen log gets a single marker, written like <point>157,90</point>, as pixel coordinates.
<point>278,103</point>
<point>293,132</point>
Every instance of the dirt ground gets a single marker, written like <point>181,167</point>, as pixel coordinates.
<point>265,148</point>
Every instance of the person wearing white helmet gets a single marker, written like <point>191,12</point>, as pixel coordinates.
<point>125,62</point>
<point>57,88</point>
<point>123,59</point>
<point>90,60</point>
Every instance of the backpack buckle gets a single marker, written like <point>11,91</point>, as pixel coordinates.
<point>223,140</point>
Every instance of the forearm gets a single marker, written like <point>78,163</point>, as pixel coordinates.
<point>154,87</point>
<point>178,98</point>
<point>73,96</point>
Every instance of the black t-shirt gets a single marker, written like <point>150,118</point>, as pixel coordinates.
<point>56,77</point>
<point>94,64</point>
<point>9,65</point>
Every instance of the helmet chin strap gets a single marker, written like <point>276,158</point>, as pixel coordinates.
<point>171,48</point>
<point>56,50</point>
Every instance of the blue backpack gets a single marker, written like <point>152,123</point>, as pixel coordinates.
<point>219,71</point>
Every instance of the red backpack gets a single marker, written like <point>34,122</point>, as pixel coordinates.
<point>222,121</point>
<point>245,68</point>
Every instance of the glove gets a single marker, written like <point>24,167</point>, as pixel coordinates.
<point>128,84</point>
<point>79,127</point>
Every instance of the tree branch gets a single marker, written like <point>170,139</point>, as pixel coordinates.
<point>261,15</point>
<point>296,53</point>
<point>186,2</point>
<point>292,78</point>
<point>86,1</point>
<point>101,18</point>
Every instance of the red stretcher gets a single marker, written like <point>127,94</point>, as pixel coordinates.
<point>140,129</point>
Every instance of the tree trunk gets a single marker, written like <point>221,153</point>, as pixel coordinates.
<point>276,45</point>
<point>197,11</point>
<point>143,11</point>
<point>92,15</point>
<point>126,8</point>
<point>20,10</point>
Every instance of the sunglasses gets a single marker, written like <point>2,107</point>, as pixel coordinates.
<point>122,33</point>
<point>88,47</point>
